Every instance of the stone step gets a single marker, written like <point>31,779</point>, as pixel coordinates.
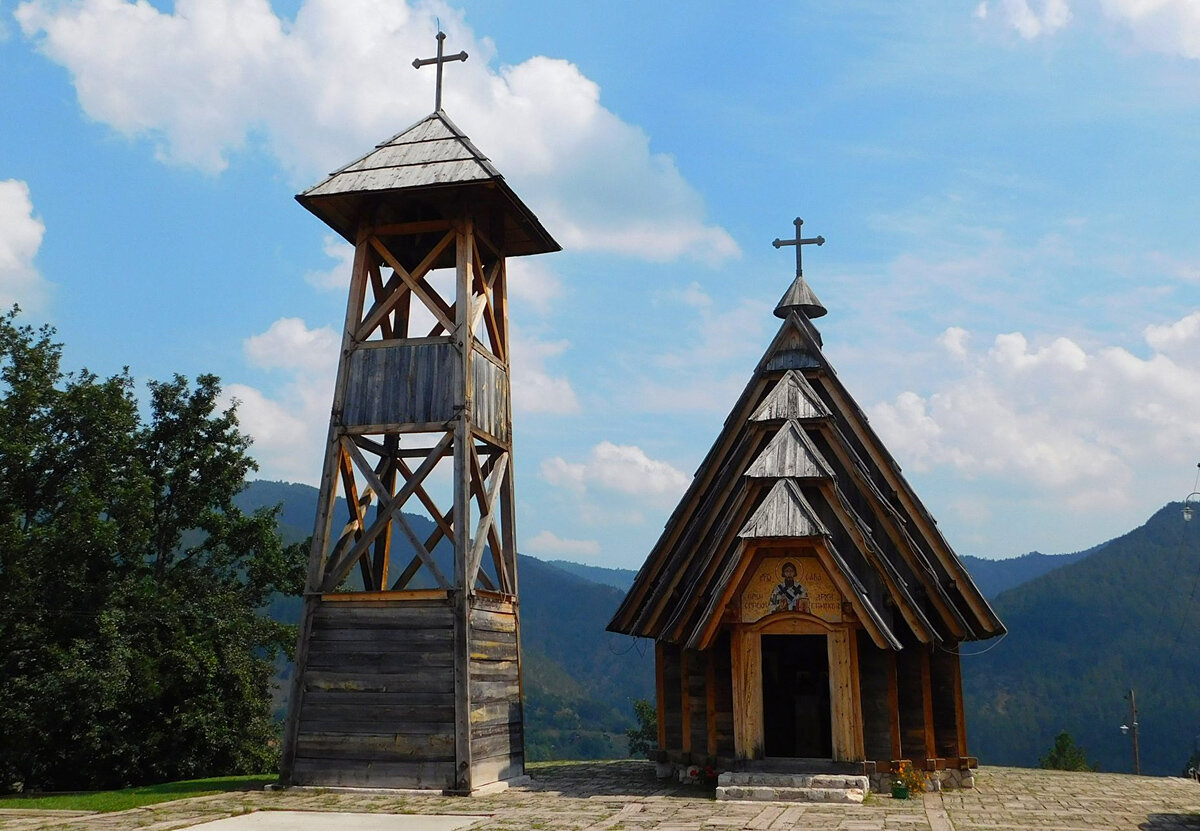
<point>763,793</point>
<point>759,786</point>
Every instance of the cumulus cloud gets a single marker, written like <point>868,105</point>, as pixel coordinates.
<point>289,422</point>
<point>1087,426</point>
<point>337,276</point>
<point>1167,26</point>
<point>535,389</point>
<point>548,544</point>
<point>621,469</point>
<point>213,76</point>
<point>20,238</point>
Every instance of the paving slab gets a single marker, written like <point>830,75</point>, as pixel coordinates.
<point>327,821</point>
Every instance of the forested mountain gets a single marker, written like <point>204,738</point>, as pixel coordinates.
<point>1079,638</point>
<point>579,679</point>
<point>1083,627</point>
<point>996,576</point>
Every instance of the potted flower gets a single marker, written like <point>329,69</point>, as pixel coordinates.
<point>907,780</point>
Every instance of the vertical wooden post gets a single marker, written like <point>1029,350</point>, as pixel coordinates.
<point>660,692</point>
<point>463,583</point>
<point>894,705</point>
<point>685,698</point>
<point>710,698</point>
<point>845,714</point>
<point>746,658</point>
<point>927,702</point>
<point>960,718</point>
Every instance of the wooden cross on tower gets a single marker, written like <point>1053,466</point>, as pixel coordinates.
<point>440,60</point>
<point>799,242</point>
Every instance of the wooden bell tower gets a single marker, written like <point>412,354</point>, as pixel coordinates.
<point>408,669</point>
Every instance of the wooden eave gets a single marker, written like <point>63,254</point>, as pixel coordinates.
<point>679,594</point>
<point>922,520</point>
<point>790,454</point>
<point>432,168</point>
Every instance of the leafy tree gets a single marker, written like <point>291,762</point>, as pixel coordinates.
<point>1065,755</point>
<point>644,737</point>
<point>131,646</point>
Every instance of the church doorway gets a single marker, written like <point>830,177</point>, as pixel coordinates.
<point>796,711</point>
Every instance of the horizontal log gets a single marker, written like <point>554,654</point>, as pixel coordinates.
<point>410,600</point>
<point>427,680</point>
<point>485,670</point>
<point>502,690</point>
<point>493,622</point>
<point>492,602</point>
<point>412,728</point>
<point>382,747</point>
<point>492,651</point>
<point>500,744</point>
<point>336,698</point>
<point>384,661</point>
<point>383,617</point>
<point>439,637</point>
<point>499,711</point>
<point>364,774</point>
<point>487,771</point>
<point>386,716</point>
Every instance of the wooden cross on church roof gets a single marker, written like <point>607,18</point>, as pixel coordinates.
<point>799,242</point>
<point>440,60</point>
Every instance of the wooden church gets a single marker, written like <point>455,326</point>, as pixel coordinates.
<point>408,666</point>
<point>803,603</point>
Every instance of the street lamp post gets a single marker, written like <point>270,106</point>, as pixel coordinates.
<point>1132,730</point>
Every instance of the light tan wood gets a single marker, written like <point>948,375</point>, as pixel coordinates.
<point>404,229</point>
<point>746,655</point>
<point>848,594</point>
<point>960,717</point>
<point>846,718</point>
<point>462,509</point>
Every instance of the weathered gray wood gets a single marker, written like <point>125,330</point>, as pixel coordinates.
<point>785,513</point>
<point>484,670</point>
<point>792,397</point>
<point>379,746</point>
<point>485,621</point>
<point>792,455</point>
<point>367,774</point>
<point>422,679</point>
<point>402,383</point>
<point>463,582</point>
<point>497,690</point>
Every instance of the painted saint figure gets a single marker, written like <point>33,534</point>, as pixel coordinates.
<point>788,596</point>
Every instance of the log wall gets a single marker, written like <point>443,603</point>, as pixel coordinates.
<point>497,737</point>
<point>876,673</point>
<point>377,696</point>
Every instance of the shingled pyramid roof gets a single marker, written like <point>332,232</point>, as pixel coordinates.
<point>425,164</point>
<point>797,459</point>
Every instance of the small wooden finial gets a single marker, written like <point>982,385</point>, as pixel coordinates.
<point>440,60</point>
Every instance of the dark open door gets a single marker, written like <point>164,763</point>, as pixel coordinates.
<point>796,711</point>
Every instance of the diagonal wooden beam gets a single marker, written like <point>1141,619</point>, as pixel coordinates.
<point>487,519</point>
<point>416,283</point>
<point>357,510</point>
<point>422,551</point>
<point>337,569</point>
<point>378,290</point>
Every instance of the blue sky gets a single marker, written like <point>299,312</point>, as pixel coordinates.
<point>1008,190</point>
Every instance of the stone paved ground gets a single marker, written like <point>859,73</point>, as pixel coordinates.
<point>624,796</point>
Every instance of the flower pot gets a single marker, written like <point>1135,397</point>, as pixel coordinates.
<point>899,792</point>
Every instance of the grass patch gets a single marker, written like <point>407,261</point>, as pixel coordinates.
<point>127,798</point>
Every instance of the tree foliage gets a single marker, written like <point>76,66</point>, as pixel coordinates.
<point>1065,755</point>
<point>643,738</point>
<point>131,647</point>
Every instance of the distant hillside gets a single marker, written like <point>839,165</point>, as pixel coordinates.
<point>618,578</point>
<point>579,679</point>
<point>996,576</point>
<point>1080,637</point>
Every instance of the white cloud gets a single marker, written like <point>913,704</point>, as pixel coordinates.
<point>622,469</point>
<point>548,544</point>
<point>954,341</point>
<point>215,75</point>
<point>1170,27</point>
<point>337,276</point>
<point>1088,427</point>
<point>290,344</point>
<point>534,388</point>
<point>20,238</point>
<point>290,423</point>
<point>531,282</point>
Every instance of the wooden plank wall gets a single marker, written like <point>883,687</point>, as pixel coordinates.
<point>672,705</point>
<point>916,733</point>
<point>722,697</point>
<point>402,383</point>
<point>497,735</point>
<point>377,696</point>
<point>874,667</point>
<point>490,404</point>
<point>950,734</point>
<point>695,689</point>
